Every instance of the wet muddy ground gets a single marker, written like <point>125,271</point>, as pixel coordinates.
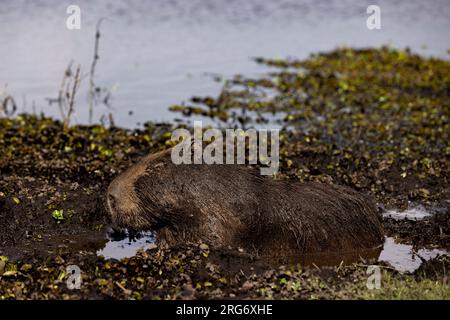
<point>374,120</point>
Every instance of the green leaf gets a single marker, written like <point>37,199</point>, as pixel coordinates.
<point>58,215</point>
<point>61,276</point>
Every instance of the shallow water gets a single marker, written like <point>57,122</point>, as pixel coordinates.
<point>401,257</point>
<point>404,258</point>
<point>414,213</point>
<point>126,245</point>
<point>157,53</point>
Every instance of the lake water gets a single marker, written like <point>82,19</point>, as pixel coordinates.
<point>161,52</point>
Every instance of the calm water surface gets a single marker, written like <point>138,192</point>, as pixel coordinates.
<point>160,52</point>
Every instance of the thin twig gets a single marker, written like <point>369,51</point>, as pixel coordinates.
<point>125,290</point>
<point>61,101</point>
<point>366,266</point>
<point>92,72</point>
<point>72,96</point>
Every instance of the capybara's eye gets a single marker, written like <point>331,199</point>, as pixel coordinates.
<point>112,200</point>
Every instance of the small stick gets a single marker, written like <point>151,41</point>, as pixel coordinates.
<point>61,100</point>
<point>72,96</point>
<point>125,290</point>
<point>315,266</point>
<point>366,266</point>
<point>92,72</point>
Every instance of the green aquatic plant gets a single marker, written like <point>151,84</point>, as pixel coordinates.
<point>58,215</point>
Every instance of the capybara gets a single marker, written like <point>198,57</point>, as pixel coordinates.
<point>233,205</point>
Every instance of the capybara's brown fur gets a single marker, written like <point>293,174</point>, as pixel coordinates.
<point>233,205</point>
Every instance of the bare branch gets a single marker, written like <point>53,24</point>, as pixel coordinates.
<point>72,96</point>
<point>92,72</point>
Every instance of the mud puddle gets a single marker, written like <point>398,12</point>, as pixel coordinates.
<point>414,212</point>
<point>125,244</point>
<point>404,258</point>
<point>401,257</point>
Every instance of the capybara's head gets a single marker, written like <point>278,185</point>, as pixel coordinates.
<point>134,198</point>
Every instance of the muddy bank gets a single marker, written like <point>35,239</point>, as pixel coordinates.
<point>373,120</point>
<point>194,272</point>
